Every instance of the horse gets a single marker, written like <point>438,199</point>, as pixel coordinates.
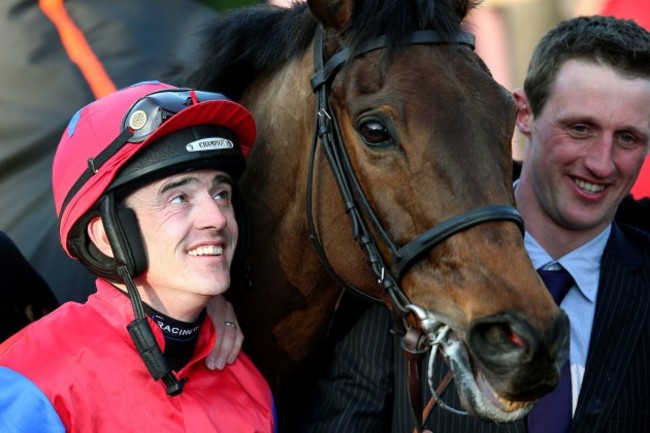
<point>382,165</point>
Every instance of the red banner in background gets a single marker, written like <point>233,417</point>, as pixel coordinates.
<point>639,11</point>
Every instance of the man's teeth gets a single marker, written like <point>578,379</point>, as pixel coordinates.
<point>207,251</point>
<point>591,187</point>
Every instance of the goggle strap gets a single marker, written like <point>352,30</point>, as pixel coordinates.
<point>195,100</point>
<point>94,164</point>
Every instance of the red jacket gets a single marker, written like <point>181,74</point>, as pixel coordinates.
<point>82,360</point>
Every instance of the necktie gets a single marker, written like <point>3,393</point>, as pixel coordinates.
<point>552,413</point>
<point>558,282</point>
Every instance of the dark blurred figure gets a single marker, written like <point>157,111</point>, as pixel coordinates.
<point>57,56</point>
<point>24,294</point>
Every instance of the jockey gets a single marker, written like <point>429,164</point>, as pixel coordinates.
<point>145,189</point>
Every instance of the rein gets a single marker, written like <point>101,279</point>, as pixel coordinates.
<point>431,333</point>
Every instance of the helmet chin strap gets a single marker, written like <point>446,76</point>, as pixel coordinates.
<point>145,342</point>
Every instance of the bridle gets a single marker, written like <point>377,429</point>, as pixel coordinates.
<point>415,341</point>
<point>354,198</point>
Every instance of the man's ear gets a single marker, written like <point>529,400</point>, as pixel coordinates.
<point>524,112</point>
<point>97,235</point>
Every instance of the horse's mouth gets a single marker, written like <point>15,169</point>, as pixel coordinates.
<point>476,394</point>
<point>499,402</point>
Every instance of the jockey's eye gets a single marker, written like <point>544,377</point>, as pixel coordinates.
<point>375,134</point>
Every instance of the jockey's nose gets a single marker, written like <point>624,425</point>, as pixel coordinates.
<point>209,214</point>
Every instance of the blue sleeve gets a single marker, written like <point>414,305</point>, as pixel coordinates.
<point>275,418</point>
<point>24,408</point>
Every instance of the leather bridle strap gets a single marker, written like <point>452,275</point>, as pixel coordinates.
<point>407,254</point>
<point>414,348</point>
<point>442,386</point>
<point>325,73</point>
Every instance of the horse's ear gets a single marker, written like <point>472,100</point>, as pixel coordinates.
<point>332,13</point>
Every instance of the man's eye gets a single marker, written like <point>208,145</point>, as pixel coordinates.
<point>627,138</point>
<point>580,129</point>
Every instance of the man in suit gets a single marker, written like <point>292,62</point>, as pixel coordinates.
<point>585,110</point>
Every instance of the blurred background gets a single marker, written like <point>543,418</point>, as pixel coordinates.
<point>507,31</point>
<point>56,56</point>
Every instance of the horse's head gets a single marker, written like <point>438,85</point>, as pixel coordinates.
<point>424,163</point>
<point>427,141</point>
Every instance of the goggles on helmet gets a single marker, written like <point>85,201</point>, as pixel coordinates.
<point>153,110</point>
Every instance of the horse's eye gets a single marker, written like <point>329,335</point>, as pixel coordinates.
<point>374,133</point>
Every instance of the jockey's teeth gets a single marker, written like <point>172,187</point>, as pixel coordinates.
<point>207,251</point>
<point>590,187</point>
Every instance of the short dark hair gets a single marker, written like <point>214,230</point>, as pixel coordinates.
<point>619,43</point>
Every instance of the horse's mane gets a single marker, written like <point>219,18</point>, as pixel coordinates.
<point>239,45</point>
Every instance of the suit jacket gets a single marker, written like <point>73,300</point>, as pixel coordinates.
<point>364,388</point>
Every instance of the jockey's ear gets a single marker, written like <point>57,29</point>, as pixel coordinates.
<point>332,13</point>
<point>97,235</point>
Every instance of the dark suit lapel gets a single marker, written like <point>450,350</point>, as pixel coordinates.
<point>622,304</point>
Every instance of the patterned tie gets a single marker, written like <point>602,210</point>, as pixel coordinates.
<point>552,413</point>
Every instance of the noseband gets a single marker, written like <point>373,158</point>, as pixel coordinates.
<point>354,198</point>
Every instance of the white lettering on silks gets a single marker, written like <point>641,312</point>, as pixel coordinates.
<point>172,330</point>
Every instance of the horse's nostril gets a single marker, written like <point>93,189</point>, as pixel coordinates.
<point>502,341</point>
<point>511,354</point>
<point>498,334</point>
<point>515,339</point>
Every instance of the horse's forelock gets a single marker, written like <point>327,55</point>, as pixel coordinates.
<point>396,19</point>
<point>239,45</point>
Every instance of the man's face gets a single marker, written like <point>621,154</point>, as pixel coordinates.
<point>190,233</point>
<point>587,146</point>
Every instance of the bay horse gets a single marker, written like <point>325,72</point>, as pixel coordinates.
<point>382,164</point>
